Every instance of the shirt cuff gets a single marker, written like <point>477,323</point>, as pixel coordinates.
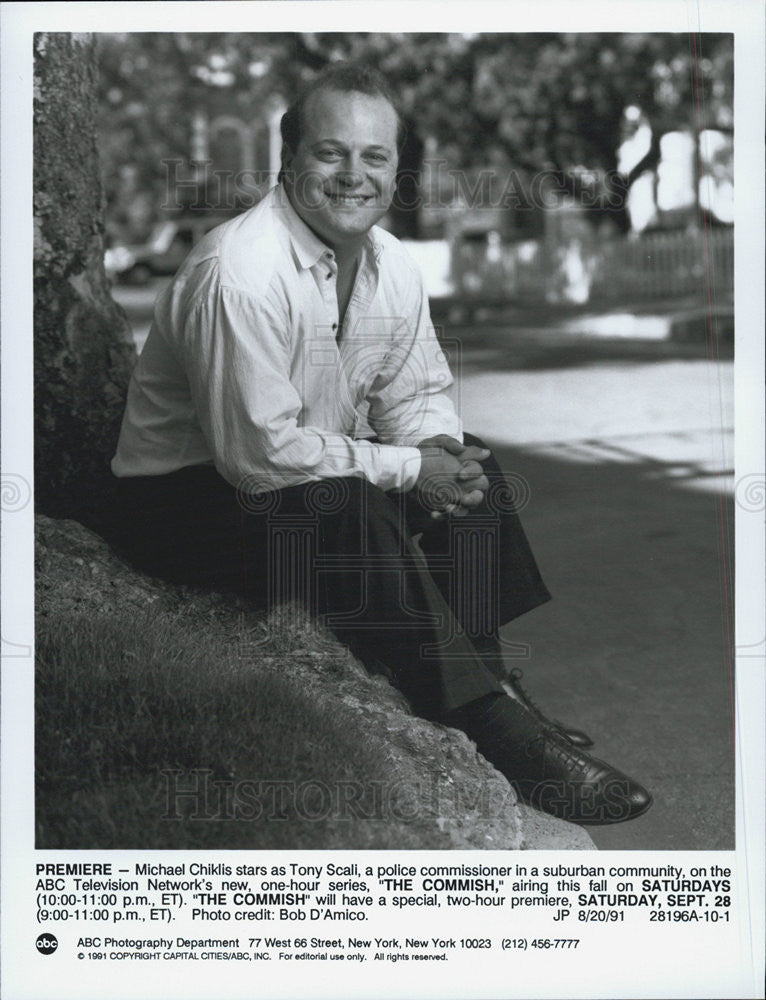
<point>399,467</point>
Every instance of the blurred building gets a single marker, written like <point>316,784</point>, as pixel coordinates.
<point>233,160</point>
<point>494,233</point>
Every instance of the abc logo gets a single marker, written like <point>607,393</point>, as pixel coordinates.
<point>47,944</point>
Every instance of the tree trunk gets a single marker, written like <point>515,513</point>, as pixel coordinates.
<point>83,351</point>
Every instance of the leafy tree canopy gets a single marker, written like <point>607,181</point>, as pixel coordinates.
<point>533,101</point>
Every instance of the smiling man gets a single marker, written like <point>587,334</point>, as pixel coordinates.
<point>339,164</point>
<point>289,434</point>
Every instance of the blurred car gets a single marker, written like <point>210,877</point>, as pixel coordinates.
<point>162,253</point>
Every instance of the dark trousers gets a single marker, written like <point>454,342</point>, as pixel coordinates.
<point>424,598</point>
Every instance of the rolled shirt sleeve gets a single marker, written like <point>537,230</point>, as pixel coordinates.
<point>237,355</point>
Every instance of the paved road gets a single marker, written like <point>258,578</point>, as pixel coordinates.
<point>627,462</point>
<point>625,449</point>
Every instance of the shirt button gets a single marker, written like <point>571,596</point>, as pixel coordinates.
<point>335,326</point>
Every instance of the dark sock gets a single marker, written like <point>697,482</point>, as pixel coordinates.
<point>501,728</point>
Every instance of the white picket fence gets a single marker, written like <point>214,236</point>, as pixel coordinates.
<point>643,267</point>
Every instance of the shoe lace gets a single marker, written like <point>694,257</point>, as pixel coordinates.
<point>514,677</point>
<point>551,739</point>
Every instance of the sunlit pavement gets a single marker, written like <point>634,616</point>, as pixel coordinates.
<point>622,450</point>
<point>672,417</point>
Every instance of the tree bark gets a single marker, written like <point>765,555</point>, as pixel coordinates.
<point>83,351</point>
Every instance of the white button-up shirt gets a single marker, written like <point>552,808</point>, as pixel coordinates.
<point>244,366</point>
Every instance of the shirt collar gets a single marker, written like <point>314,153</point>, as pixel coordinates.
<point>309,249</point>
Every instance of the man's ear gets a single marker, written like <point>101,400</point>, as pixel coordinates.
<point>286,157</point>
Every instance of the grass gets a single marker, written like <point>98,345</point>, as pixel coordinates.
<point>133,704</point>
<point>173,718</point>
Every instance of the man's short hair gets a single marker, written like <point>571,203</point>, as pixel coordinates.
<point>346,77</point>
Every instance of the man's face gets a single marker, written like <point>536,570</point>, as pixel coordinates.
<point>341,178</point>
